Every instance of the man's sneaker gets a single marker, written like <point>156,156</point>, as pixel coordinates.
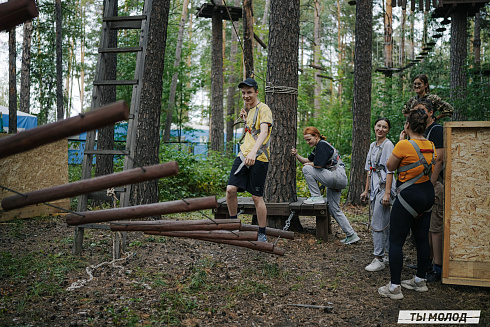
<point>411,284</point>
<point>314,200</point>
<point>350,239</point>
<point>262,237</point>
<point>385,291</point>
<point>375,265</point>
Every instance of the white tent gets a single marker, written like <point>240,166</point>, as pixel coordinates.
<point>24,121</point>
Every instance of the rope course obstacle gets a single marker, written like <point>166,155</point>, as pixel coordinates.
<point>226,231</point>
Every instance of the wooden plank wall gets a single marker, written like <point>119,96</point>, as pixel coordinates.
<point>467,204</point>
<point>36,169</point>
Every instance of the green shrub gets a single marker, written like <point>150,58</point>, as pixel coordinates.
<point>198,175</point>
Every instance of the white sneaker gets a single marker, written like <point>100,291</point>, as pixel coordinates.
<point>376,265</point>
<point>385,291</point>
<point>314,200</point>
<point>411,284</point>
<point>350,239</point>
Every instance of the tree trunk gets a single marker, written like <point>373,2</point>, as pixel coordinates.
<point>67,92</point>
<point>82,61</point>
<point>458,53</point>
<point>401,57</point>
<point>175,76</point>
<point>232,87</point>
<point>477,41</point>
<point>248,38</point>
<point>216,121</point>
<point>361,105</point>
<point>104,164</point>
<point>59,63</point>
<point>340,49</point>
<point>12,82</point>
<point>25,70</point>
<point>317,92</point>
<point>412,35</point>
<point>388,28</point>
<point>147,134</point>
<point>282,71</point>
<point>266,12</point>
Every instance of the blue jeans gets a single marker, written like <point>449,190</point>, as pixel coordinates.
<point>335,181</point>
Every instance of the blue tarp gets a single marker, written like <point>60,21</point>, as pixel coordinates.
<point>24,121</point>
<point>193,141</point>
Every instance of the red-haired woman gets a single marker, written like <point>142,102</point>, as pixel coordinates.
<point>324,166</point>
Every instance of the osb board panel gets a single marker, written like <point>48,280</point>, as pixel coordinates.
<point>467,207</point>
<point>32,170</point>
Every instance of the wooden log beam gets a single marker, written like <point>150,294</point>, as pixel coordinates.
<point>257,246</point>
<point>49,133</point>
<point>132,176</point>
<point>141,211</point>
<point>213,234</point>
<point>16,12</point>
<point>172,226</point>
<point>269,231</point>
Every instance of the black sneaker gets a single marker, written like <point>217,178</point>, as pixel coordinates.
<point>433,277</point>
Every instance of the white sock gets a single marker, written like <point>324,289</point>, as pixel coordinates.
<point>393,286</point>
<point>418,279</point>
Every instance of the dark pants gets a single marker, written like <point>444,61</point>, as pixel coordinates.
<point>421,198</point>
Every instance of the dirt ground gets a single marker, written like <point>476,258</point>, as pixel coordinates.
<point>184,282</point>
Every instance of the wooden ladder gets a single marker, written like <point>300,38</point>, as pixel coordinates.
<point>110,23</point>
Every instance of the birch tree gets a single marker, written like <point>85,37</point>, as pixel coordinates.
<point>175,76</point>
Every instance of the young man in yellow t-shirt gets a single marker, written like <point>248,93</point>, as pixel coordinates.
<point>249,169</point>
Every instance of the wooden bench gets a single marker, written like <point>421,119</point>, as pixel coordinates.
<point>277,213</point>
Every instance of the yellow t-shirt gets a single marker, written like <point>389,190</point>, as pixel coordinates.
<point>264,116</point>
<point>406,152</point>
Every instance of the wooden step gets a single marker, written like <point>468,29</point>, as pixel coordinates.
<point>117,82</point>
<point>124,22</point>
<point>120,50</point>
<point>107,152</point>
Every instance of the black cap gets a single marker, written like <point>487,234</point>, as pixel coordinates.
<point>249,82</point>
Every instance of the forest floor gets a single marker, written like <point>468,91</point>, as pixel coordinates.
<point>183,282</point>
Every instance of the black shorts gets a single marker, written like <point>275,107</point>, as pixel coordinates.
<point>251,179</point>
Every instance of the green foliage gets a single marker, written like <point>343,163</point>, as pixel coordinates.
<point>198,175</point>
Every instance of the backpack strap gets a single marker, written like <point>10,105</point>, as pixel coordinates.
<point>377,167</point>
<point>427,170</point>
<point>255,134</point>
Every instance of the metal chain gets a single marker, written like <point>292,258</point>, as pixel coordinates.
<point>288,221</point>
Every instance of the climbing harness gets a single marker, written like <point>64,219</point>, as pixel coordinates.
<point>255,134</point>
<point>377,168</point>
<point>427,170</point>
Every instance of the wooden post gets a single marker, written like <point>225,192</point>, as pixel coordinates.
<point>269,231</point>
<point>49,133</point>
<point>172,225</point>
<point>91,185</point>
<point>257,246</point>
<point>141,211</point>
<point>248,37</point>
<point>214,234</point>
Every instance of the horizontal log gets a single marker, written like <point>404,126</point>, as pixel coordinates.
<point>141,211</point>
<point>171,226</point>
<point>269,231</point>
<point>16,12</point>
<point>257,246</point>
<point>85,186</point>
<point>214,234</point>
<point>49,133</point>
